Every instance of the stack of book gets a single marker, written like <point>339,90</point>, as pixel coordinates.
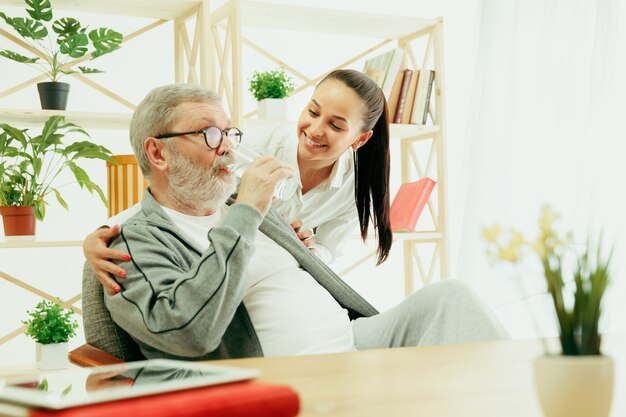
<point>407,91</point>
<point>409,100</point>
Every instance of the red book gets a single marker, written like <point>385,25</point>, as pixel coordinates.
<point>238,399</point>
<point>409,203</point>
<point>404,88</point>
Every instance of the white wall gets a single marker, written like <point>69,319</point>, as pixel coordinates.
<point>144,63</point>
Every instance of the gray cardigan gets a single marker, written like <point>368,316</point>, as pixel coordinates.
<point>178,301</point>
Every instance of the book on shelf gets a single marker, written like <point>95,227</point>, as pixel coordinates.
<point>409,203</point>
<point>237,399</point>
<point>407,74</point>
<point>419,115</point>
<point>410,98</point>
<point>383,69</point>
<point>392,101</point>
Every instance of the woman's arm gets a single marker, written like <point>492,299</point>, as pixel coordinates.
<point>99,256</point>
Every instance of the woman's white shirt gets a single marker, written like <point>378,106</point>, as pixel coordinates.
<point>329,207</point>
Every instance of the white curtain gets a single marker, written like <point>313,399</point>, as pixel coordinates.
<point>547,124</point>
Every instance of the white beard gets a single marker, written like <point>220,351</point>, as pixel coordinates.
<point>192,185</point>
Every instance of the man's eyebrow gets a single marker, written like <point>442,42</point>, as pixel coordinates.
<point>334,116</point>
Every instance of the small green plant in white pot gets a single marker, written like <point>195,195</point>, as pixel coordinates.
<point>270,88</point>
<point>578,381</point>
<point>51,326</point>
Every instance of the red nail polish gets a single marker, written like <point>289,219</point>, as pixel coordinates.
<point>122,274</point>
<point>126,257</point>
<point>113,292</point>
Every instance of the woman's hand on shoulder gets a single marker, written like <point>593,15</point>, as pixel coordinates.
<point>99,256</point>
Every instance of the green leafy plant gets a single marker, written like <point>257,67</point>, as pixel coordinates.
<point>29,165</point>
<point>271,84</point>
<point>72,41</point>
<point>50,323</point>
<point>575,281</point>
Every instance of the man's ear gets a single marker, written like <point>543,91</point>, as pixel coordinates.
<point>362,139</point>
<point>155,150</point>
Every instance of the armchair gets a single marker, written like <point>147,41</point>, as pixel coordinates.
<point>107,343</point>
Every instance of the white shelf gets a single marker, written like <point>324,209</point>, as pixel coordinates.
<point>159,9</point>
<point>36,118</point>
<point>331,21</point>
<point>418,236</point>
<point>412,132</point>
<point>397,131</point>
<point>39,243</point>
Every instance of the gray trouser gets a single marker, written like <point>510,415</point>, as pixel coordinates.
<point>441,313</point>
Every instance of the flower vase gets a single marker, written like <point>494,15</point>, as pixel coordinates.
<point>52,356</point>
<point>574,386</point>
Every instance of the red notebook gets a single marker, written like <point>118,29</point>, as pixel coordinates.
<point>409,203</point>
<point>238,399</point>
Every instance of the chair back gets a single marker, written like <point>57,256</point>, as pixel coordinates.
<point>100,330</point>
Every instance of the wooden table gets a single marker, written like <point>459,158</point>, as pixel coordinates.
<point>486,379</point>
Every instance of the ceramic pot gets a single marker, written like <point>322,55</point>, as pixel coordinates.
<point>18,222</point>
<point>272,109</point>
<point>53,95</point>
<point>575,386</point>
<point>51,356</point>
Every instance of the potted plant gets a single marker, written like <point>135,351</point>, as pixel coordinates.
<point>51,326</point>
<point>30,166</point>
<point>269,88</point>
<point>71,41</point>
<point>578,381</point>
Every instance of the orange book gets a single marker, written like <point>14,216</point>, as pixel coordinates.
<point>392,100</point>
<point>409,203</point>
<point>410,97</point>
<point>399,110</point>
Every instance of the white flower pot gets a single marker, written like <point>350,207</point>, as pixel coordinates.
<point>575,386</point>
<point>52,356</point>
<point>272,109</point>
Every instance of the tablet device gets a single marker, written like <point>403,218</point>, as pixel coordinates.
<point>80,386</point>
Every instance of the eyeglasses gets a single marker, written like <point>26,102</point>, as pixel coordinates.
<point>213,136</point>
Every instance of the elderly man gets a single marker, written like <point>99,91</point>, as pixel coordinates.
<point>215,278</point>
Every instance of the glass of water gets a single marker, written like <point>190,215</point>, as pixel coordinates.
<point>243,156</point>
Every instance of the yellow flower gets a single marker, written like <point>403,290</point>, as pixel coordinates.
<point>517,239</point>
<point>546,219</point>
<point>511,253</point>
<point>491,234</point>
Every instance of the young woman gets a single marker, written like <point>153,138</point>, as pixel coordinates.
<point>342,155</point>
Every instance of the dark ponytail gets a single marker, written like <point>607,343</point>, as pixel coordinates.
<point>371,161</point>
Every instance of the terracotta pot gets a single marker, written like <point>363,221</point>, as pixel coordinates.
<point>18,221</point>
<point>53,95</point>
<point>575,386</point>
